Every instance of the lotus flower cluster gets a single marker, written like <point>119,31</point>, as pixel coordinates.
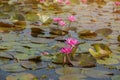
<point>63,23</point>
<point>71,42</point>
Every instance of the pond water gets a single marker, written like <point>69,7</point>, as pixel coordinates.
<point>30,40</point>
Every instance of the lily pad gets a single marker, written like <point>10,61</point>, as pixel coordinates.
<point>13,67</point>
<point>6,56</point>
<point>36,31</point>
<point>96,73</point>
<point>87,34</point>
<point>41,40</point>
<point>32,17</point>
<point>72,77</point>
<point>104,31</point>
<point>21,76</point>
<point>68,70</point>
<point>102,51</point>
<point>33,65</point>
<point>58,32</point>
<point>84,60</point>
<point>116,77</point>
<point>23,56</point>
<point>107,61</point>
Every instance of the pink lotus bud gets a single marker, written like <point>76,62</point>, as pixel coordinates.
<point>67,2</point>
<point>84,1</point>
<point>62,23</point>
<point>71,18</point>
<point>57,19</point>
<point>117,3</point>
<point>72,41</point>
<point>66,50</point>
<point>41,1</point>
<point>60,1</point>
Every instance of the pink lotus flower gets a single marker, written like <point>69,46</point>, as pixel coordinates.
<point>84,1</point>
<point>62,23</point>
<point>71,18</point>
<point>67,2</point>
<point>57,19</point>
<point>60,1</point>
<point>66,50</point>
<point>72,41</point>
<point>117,3</point>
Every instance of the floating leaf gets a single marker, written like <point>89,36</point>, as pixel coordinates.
<point>6,56</point>
<point>104,31</point>
<point>41,40</point>
<point>10,37</point>
<point>21,76</point>
<point>32,17</point>
<point>116,77</point>
<point>58,32</point>
<point>8,25</point>
<point>68,70</point>
<point>107,61</point>
<point>87,34</point>
<point>44,18</point>
<point>72,77</point>
<point>96,73</point>
<point>17,17</point>
<point>33,65</point>
<point>83,60</point>
<point>36,31</point>
<point>102,51</point>
<point>118,38</point>
<point>58,58</point>
<point>13,67</point>
<point>20,56</point>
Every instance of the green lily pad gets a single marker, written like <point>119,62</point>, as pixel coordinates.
<point>36,31</point>
<point>23,56</point>
<point>96,73</point>
<point>17,17</point>
<point>4,16</point>
<point>87,34</point>
<point>116,77</point>
<point>84,60</point>
<point>6,56</point>
<point>104,31</point>
<point>13,67</point>
<point>68,71</point>
<point>58,32</point>
<point>10,37</point>
<point>21,76</point>
<point>33,65</point>
<point>58,58</point>
<point>41,40</point>
<point>107,61</point>
<point>72,77</point>
<point>118,38</point>
<point>32,17</point>
<point>102,51</point>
